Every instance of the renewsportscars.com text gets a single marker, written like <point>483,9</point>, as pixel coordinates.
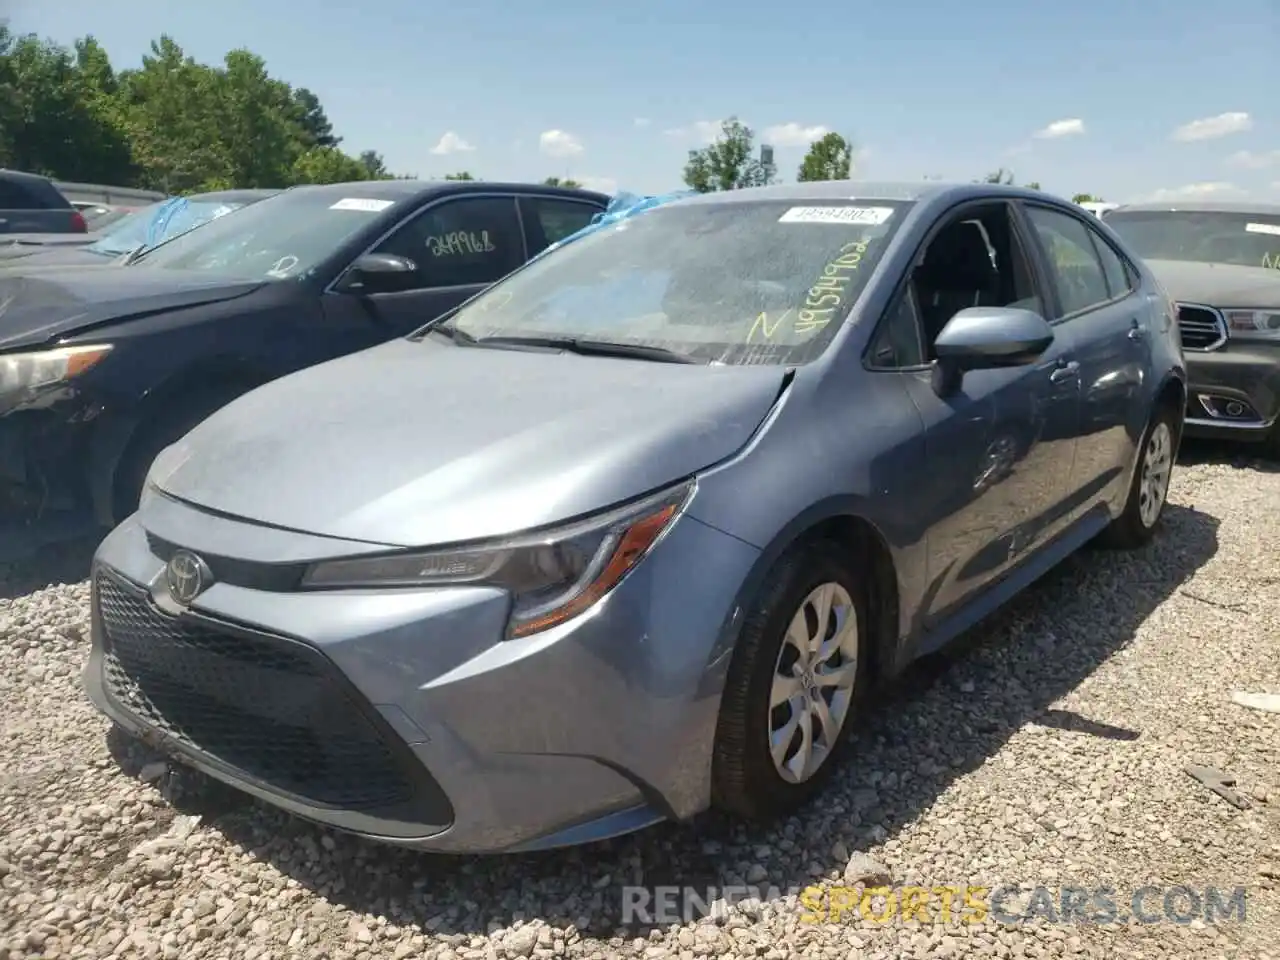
<point>945,904</point>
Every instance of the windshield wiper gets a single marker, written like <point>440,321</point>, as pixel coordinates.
<point>447,329</point>
<point>598,348</point>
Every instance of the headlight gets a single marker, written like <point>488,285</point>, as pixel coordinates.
<point>23,372</point>
<point>1253,324</point>
<point>552,576</point>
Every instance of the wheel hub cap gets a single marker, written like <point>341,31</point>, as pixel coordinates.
<point>813,682</point>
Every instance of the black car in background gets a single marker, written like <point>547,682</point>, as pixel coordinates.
<point>32,204</point>
<point>1220,263</point>
<point>100,369</point>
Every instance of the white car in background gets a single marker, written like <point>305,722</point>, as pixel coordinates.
<point>1098,208</point>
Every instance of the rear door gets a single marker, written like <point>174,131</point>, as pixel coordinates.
<point>1096,300</point>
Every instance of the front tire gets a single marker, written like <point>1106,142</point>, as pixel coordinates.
<point>1149,490</point>
<point>795,682</point>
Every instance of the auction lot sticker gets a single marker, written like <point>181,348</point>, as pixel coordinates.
<point>866,216</point>
<point>362,204</point>
<point>1269,228</point>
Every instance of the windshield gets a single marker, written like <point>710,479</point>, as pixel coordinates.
<point>280,238</point>
<point>739,282</point>
<point>158,222</point>
<point>1243,239</point>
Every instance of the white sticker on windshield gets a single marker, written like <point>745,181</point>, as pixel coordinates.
<point>869,216</point>
<point>1269,228</point>
<point>363,204</point>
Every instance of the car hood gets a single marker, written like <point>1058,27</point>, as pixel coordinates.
<point>1221,285</point>
<point>419,443</point>
<point>29,257</point>
<point>42,305</point>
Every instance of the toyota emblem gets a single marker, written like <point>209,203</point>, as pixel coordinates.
<point>186,576</point>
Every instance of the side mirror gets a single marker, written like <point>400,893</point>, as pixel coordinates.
<point>378,273</point>
<point>987,338</point>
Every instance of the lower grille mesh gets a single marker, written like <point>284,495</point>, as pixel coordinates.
<point>267,706</point>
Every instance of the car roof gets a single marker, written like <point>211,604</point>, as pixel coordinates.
<point>402,190</point>
<point>17,176</point>
<point>1202,206</point>
<point>864,190</point>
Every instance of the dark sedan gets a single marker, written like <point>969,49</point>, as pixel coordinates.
<point>102,369</point>
<point>1220,262</point>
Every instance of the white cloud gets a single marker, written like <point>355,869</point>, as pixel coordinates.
<point>1249,160</point>
<point>602,184</point>
<point>1210,128</point>
<point>642,121</point>
<point>558,143</point>
<point>793,134</point>
<point>701,131</point>
<point>451,143</point>
<point>1071,127</point>
<point>1194,191</point>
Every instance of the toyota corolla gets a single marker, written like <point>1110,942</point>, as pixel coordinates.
<point>634,531</point>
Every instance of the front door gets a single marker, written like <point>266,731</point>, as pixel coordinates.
<point>460,246</point>
<point>999,449</point>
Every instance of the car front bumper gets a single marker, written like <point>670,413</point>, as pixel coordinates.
<point>403,715</point>
<point>1247,374</point>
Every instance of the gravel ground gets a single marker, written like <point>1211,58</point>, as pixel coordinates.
<point>1047,749</point>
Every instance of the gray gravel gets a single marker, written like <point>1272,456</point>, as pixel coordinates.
<point>1047,749</point>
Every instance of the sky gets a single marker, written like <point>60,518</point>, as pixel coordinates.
<point>1129,101</point>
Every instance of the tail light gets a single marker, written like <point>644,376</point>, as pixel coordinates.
<point>77,222</point>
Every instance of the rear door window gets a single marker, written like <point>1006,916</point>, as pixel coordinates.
<point>14,197</point>
<point>549,220</point>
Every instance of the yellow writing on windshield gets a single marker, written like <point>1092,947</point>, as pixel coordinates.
<point>824,299</point>
<point>827,295</point>
<point>1270,261</point>
<point>766,329</point>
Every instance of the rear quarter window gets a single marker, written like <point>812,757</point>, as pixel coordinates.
<point>31,195</point>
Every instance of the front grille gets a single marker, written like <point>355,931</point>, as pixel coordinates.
<point>269,707</point>
<point>1202,328</point>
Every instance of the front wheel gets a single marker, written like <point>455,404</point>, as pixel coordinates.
<point>1149,490</point>
<point>794,683</point>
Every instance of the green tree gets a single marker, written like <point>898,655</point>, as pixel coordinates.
<point>171,123</point>
<point>375,166</point>
<point>171,106</point>
<point>557,182</point>
<point>313,120</point>
<point>327,165</point>
<point>460,175</point>
<point>1002,176</point>
<point>1086,198</point>
<point>1033,185</point>
<point>729,163</point>
<point>55,111</point>
<point>830,158</point>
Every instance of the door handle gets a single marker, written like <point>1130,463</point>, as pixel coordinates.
<point>1136,332</point>
<point>1067,371</point>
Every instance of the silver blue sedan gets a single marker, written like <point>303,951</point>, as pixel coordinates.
<point>634,531</point>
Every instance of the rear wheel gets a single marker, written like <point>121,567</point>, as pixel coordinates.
<point>1149,490</point>
<point>794,684</point>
